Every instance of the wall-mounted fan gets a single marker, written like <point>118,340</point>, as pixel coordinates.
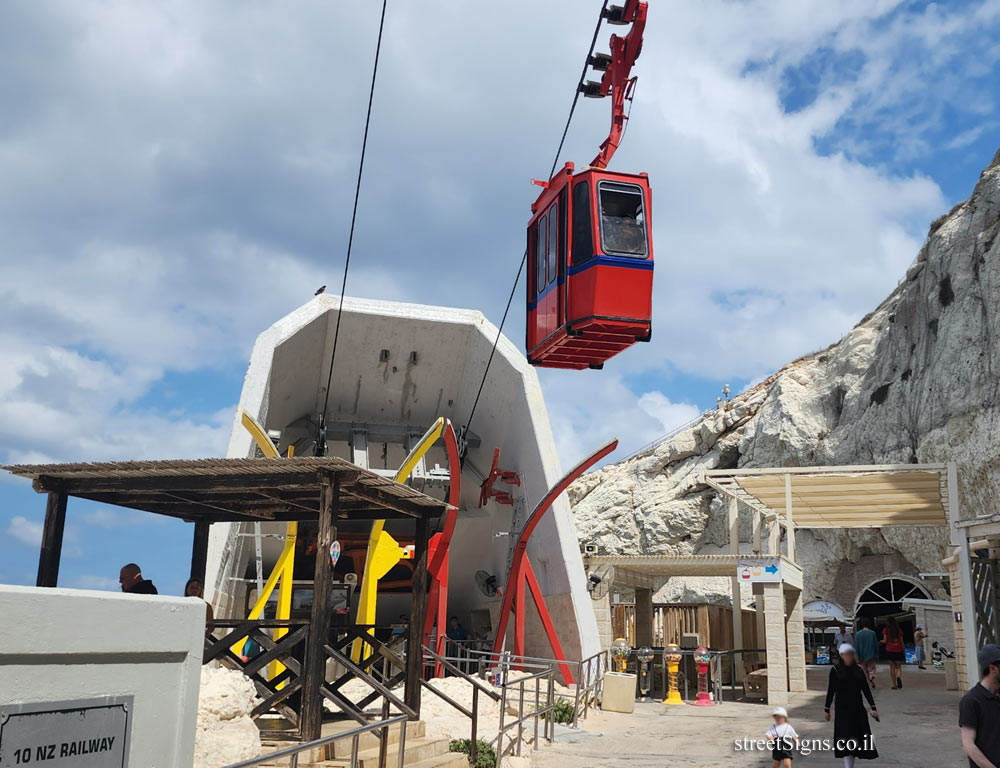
<point>599,581</point>
<point>487,583</point>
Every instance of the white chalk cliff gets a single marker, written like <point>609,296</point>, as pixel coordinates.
<point>917,380</point>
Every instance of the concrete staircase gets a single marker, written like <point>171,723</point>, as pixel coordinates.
<point>421,751</point>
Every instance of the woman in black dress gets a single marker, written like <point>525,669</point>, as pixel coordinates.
<point>851,732</point>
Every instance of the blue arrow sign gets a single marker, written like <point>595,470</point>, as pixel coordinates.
<point>771,569</point>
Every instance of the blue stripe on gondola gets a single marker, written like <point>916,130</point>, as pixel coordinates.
<point>543,294</point>
<point>611,261</point>
<point>599,260</point>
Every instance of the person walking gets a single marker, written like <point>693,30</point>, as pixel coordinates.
<point>979,713</point>
<point>840,637</point>
<point>892,638</point>
<point>918,645</point>
<point>783,738</point>
<point>866,645</point>
<point>852,733</point>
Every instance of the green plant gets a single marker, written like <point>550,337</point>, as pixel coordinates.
<point>563,711</point>
<point>486,756</point>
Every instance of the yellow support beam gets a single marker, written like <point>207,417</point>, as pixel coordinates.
<point>284,568</point>
<point>383,550</point>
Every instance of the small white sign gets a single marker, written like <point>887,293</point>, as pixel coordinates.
<point>759,570</point>
<point>71,734</point>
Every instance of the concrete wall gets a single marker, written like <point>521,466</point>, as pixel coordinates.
<point>286,381</point>
<point>59,645</point>
<point>938,623</point>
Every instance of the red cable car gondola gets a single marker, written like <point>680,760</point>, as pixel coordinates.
<point>590,254</point>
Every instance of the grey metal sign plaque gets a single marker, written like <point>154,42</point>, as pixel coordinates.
<point>89,733</point>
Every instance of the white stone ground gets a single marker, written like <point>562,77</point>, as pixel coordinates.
<point>443,720</point>
<point>919,729</point>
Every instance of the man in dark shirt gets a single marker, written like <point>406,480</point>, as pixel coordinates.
<point>456,631</point>
<point>979,713</point>
<point>130,577</point>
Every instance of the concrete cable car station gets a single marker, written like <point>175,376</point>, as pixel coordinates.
<point>400,367</point>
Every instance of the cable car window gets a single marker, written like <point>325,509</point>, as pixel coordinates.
<point>583,243</point>
<point>532,261</point>
<point>553,241</point>
<point>623,221</point>
<point>540,256</point>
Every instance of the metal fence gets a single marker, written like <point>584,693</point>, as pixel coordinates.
<point>543,708</point>
<point>354,734</point>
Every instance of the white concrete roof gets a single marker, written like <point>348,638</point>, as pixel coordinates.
<point>872,496</point>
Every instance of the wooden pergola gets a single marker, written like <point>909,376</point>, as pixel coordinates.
<point>205,491</point>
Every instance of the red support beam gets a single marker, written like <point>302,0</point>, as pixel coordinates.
<point>516,575</point>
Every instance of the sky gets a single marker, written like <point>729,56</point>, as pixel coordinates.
<point>176,177</point>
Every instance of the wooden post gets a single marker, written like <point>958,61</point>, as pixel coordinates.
<point>733,515</point>
<point>52,538</point>
<point>314,668</point>
<point>418,611</point>
<point>199,551</point>
<point>643,616</point>
<point>789,520</point>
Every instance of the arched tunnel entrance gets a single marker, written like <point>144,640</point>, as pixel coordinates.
<point>884,598</point>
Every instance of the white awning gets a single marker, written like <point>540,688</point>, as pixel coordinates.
<point>845,496</point>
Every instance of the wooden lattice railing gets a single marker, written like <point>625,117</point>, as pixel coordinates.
<point>281,694</point>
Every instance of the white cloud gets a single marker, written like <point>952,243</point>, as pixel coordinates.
<point>587,412</point>
<point>26,531</point>
<point>117,517</point>
<point>205,191</point>
<point>89,581</point>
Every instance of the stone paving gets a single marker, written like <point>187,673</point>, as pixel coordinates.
<point>919,729</point>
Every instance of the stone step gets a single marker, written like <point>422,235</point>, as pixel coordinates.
<point>416,752</point>
<point>447,760</point>
<point>415,729</point>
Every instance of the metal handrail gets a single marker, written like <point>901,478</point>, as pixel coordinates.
<point>459,673</point>
<point>587,684</point>
<point>477,687</point>
<point>544,712</point>
<point>731,653</point>
<point>354,734</point>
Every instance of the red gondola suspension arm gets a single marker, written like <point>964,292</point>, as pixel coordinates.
<point>617,67</point>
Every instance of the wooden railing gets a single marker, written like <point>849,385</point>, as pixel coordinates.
<point>282,694</point>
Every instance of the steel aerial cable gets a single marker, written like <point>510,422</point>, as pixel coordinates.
<point>576,93</point>
<point>465,430</point>
<point>321,442</point>
<point>576,96</point>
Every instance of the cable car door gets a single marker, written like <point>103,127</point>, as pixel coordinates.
<point>547,271</point>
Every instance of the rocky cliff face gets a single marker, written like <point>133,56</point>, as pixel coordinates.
<point>918,380</point>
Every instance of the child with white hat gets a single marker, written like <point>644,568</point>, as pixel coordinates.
<point>783,739</point>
